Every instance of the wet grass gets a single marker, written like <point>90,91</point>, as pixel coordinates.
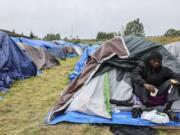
<point>23,110</point>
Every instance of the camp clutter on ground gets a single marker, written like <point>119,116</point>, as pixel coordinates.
<point>101,74</point>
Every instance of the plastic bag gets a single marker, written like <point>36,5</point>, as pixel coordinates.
<point>155,117</point>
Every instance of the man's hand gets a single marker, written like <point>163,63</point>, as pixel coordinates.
<point>175,83</point>
<point>149,87</point>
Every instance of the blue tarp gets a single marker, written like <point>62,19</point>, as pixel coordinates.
<point>117,118</point>
<point>16,40</point>
<point>81,63</point>
<point>14,63</point>
<point>37,43</point>
<point>64,43</point>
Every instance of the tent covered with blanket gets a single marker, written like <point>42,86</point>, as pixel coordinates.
<point>50,47</point>
<point>38,55</point>
<point>76,49</point>
<point>105,76</point>
<point>14,63</point>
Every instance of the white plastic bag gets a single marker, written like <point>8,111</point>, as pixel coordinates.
<point>155,117</point>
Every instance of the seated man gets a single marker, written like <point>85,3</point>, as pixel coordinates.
<point>149,76</point>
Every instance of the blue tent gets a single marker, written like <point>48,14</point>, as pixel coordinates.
<point>14,63</point>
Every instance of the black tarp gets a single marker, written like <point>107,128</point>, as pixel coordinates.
<point>14,63</point>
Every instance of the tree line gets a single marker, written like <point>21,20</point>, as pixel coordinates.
<point>172,33</point>
<point>134,27</point>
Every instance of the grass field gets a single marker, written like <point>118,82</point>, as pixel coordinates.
<point>23,110</point>
<point>165,40</point>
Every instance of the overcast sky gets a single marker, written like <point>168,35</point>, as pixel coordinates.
<point>85,18</point>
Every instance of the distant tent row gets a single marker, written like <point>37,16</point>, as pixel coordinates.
<point>21,57</point>
<point>107,75</point>
<point>56,49</point>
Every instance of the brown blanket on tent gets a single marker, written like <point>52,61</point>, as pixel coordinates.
<point>40,57</point>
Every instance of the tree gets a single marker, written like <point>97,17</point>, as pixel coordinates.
<point>104,35</point>
<point>66,39</point>
<point>76,40</point>
<point>58,37</point>
<point>135,27</point>
<point>31,35</point>
<point>178,32</point>
<point>13,31</point>
<point>172,33</point>
<point>50,37</point>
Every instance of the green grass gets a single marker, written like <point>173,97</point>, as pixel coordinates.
<point>23,110</point>
<point>88,41</point>
<point>165,40</point>
<point>92,41</point>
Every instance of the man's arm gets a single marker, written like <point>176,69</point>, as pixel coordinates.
<point>172,75</point>
<point>137,75</point>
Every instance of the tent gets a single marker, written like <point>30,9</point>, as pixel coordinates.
<point>49,47</point>
<point>64,43</point>
<point>39,56</point>
<point>77,49</point>
<point>14,63</point>
<point>107,75</point>
<point>174,49</point>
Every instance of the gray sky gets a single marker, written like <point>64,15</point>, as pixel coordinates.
<point>87,17</point>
